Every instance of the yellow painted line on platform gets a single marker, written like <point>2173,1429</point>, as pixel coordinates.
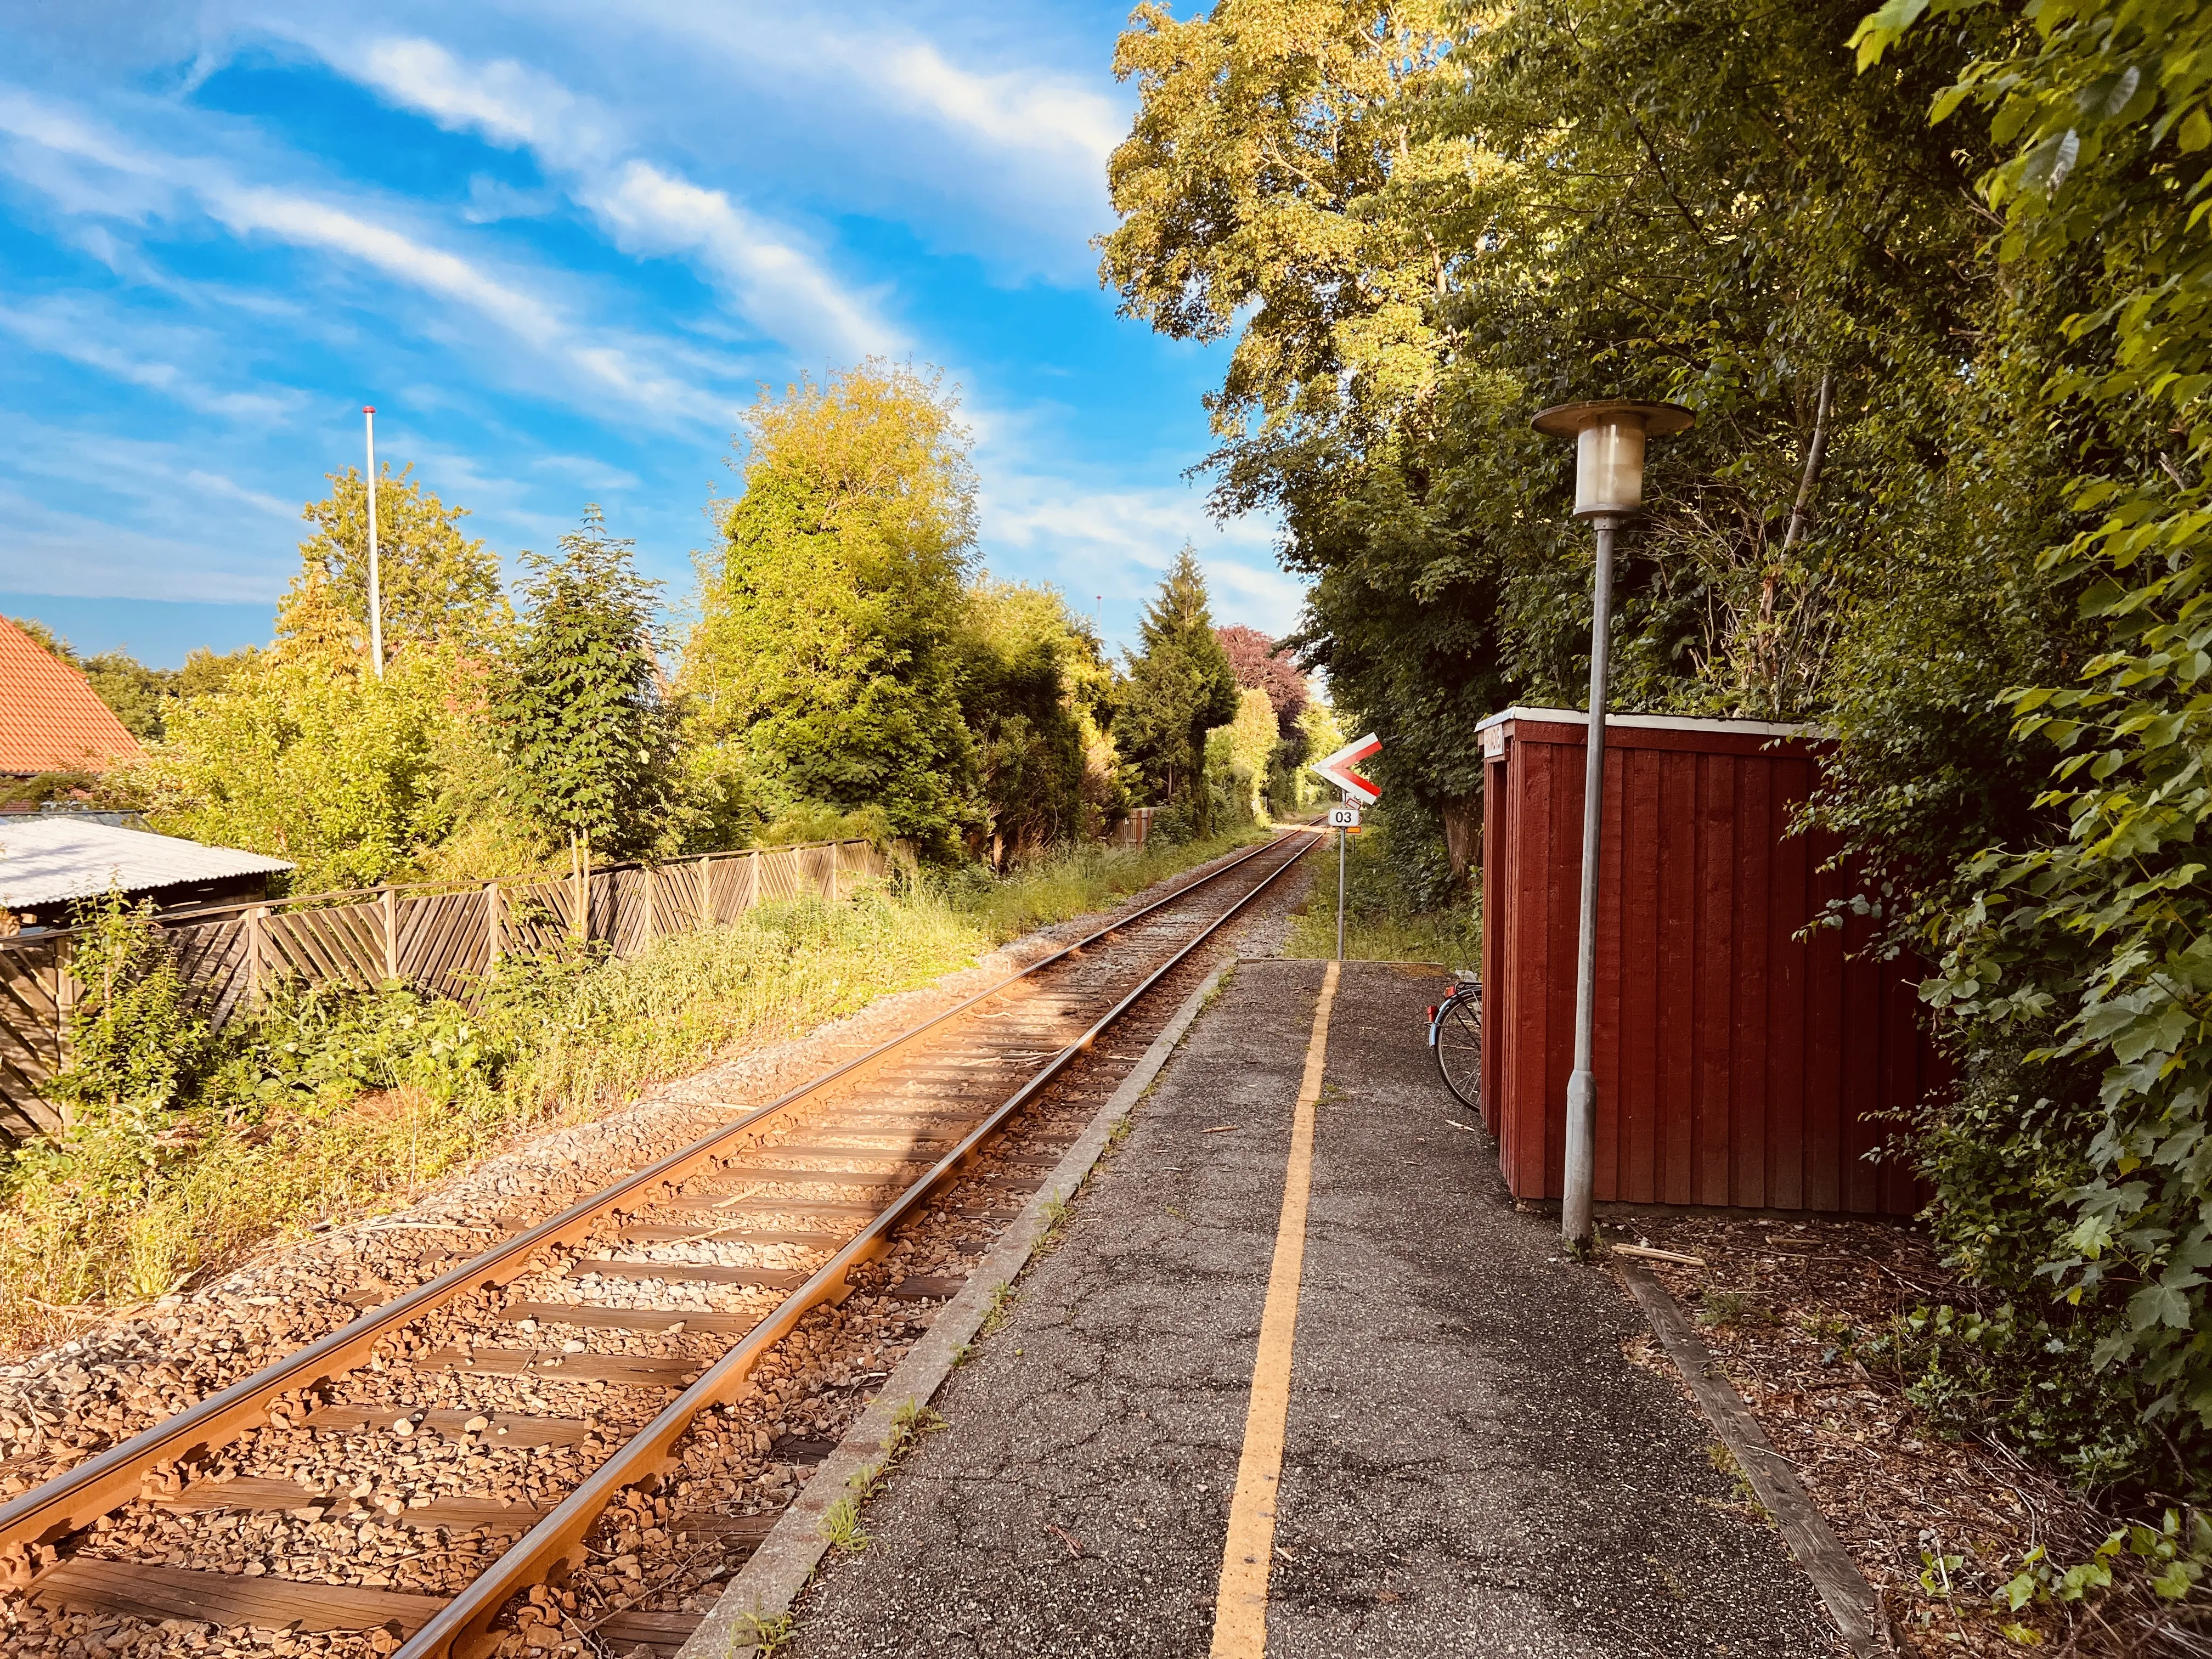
<point>1240,1612</point>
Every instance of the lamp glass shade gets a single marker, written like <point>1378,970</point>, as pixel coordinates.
<point>1609,466</point>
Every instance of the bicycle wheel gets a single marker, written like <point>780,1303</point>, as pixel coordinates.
<point>1458,1043</point>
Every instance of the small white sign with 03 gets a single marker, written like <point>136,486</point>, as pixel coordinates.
<point>1344,817</point>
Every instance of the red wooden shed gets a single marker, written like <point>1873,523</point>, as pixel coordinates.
<point>1736,1065</point>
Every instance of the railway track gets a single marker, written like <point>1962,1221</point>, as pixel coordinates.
<point>544,1446</point>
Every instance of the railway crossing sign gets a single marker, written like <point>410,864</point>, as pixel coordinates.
<point>1358,792</point>
<point>1338,770</point>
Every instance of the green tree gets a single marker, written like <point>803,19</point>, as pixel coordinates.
<point>577,706</point>
<point>826,661</point>
<point>1237,756</point>
<point>1036,690</point>
<point>2077,963</point>
<point>1178,688</point>
<point>345,775</point>
<point>435,584</point>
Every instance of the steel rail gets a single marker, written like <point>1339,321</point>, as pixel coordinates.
<point>79,1496</point>
<point>460,1630</point>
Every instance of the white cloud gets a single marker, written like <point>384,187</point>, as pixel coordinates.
<point>355,232</point>
<point>309,224</point>
<point>781,286</point>
<point>1115,543</point>
<point>95,337</point>
<point>511,106</point>
<point>214,484</point>
<point>1020,111</point>
<point>777,286</point>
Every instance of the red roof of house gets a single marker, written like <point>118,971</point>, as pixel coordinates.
<point>51,719</point>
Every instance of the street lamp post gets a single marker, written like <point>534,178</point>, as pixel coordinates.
<point>375,594</point>
<point>1609,434</point>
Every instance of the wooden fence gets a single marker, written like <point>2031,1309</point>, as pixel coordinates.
<point>441,938</point>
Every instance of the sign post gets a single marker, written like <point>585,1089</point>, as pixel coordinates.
<point>1357,792</point>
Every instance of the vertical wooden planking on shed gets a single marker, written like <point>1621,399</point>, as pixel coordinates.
<point>1749,1015</point>
<point>1611,990</point>
<point>1716,974</point>
<point>1738,1062</point>
<point>1789,900</point>
<point>1676,1081</point>
<point>1640,1020</point>
<point>1824,1037</point>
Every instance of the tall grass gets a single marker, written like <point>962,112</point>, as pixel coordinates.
<point>1380,923</point>
<point>327,1107</point>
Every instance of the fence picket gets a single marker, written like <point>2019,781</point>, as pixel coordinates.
<point>443,942</point>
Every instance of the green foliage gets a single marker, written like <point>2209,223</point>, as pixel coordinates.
<point>189,1151</point>
<point>135,1041</point>
<point>1179,687</point>
<point>2082,949</point>
<point>434,585</point>
<point>1948,494</point>
<point>1237,756</point>
<point>590,741</point>
<point>1036,690</point>
<point>826,662</point>
<point>349,777</point>
<point>1385,918</point>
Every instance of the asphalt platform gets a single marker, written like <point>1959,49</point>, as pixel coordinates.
<point>1471,1468</point>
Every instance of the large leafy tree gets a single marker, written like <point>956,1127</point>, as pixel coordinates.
<point>826,662</point>
<point>1179,687</point>
<point>1036,692</point>
<point>435,584</point>
<point>578,706</point>
<point>1947,495</point>
<point>347,776</point>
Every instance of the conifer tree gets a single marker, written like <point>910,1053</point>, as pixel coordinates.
<point>589,738</point>
<point>1180,687</point>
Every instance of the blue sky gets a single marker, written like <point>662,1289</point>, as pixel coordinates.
<point>559,248</point>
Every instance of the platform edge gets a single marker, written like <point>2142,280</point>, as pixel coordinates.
<point>776,1573</point>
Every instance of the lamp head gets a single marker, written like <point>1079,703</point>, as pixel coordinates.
<point>1609,435</point>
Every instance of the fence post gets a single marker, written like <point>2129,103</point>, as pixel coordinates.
<point>652,902</point>
<point>492,925</point>
<point>65,990</point>
<point>390,901</point>
<point>256,969</point>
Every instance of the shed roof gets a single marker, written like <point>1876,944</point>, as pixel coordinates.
<point>44,860</point>
<point>1655,723</point>
<point>51,719</point>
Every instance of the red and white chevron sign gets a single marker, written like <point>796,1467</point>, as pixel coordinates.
<point>1337,768</point>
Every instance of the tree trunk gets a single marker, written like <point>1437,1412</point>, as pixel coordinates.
<point>1462,817</point>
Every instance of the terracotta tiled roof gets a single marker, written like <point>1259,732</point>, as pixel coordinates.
<point>51,720</point>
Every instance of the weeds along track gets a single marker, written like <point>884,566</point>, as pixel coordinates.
<point>562,1444</point>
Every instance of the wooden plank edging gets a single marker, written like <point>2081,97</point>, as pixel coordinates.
<point>1851,1602</point>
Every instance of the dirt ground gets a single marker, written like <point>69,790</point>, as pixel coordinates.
<point>1937,1523</point>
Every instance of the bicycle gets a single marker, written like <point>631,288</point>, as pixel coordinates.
<point>1456,1039</point>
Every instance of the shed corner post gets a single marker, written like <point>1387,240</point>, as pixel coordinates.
<point>492,925</point>
<point>652,902</point>
<point>388,901</point>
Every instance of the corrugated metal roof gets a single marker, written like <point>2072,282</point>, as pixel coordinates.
<point>44,860</point>
<point>51,720</point>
